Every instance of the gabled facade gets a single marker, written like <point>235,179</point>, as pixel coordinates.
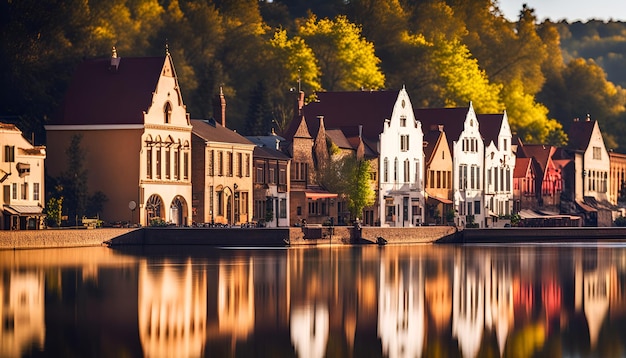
<point>593,163</point>
<point>468,156</point>
<point>305,144</point>
<point>136,136</point>
<point>617,177</point>
<point>386,122</point>
<point>272,170</point>
<point>222,175</point>
<point>22,179</point>
<point>499,166</point>
<point>549,179</point>
<point>437,176</point>
<point>524,184</point>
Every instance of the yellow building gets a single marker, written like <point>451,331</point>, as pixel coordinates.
<point>135,134</point>
<point>222,179</point>
<point>22,179</point>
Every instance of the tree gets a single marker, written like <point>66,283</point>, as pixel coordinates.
<point>259,118</point>
<point>74,181</point>
<point>360,193</point>
<point>347,60</point>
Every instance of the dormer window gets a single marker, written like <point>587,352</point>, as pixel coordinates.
<point>167,112</point>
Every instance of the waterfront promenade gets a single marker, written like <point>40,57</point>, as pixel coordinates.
<point>297,236</point>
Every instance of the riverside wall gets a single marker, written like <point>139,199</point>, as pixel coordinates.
<point>220,236</point>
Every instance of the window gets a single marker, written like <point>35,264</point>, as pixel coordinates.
<point>167,112</point>
<point>597,153</point>
<point>386,170</point>
<point>149,163</point>
<point>9,153</point>
<point>407,171</point>
<point>373,176</point>
<point>438,179</point>
<point>462,176</point>
<point>186,165</point>
<point>282,175</point>
<point>282,209</point>
<point>508,179</point>
<point>176,164</point>
<point>24,191</point>
<point>260,173</point>
<point>244,202</point>
<point>220,203</point>
<point>404,142</point>
<point>417,172</point>
<point>431,179</point>
<point>168,167</point>
<point>158,163</point>
<point>36,191</point>
<point>211,163</point>
<point>402,121</point>
<point>220,163</point>
<point>239,165</point>
<point>477,207</point>
<point>443,154</point>
<point>14,190</point>
<point>247,165</point>
<point>272,175</point>
<point>395,170</point>
<point>506,144</point>
<point>229,163</point>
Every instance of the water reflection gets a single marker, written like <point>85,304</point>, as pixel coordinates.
<point>393,301</point>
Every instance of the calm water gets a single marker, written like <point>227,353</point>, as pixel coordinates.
<point>393,301</point>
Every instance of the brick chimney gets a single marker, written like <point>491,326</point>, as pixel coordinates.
<point>219,108</point>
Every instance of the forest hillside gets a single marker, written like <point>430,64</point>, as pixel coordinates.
<point>445,52</point>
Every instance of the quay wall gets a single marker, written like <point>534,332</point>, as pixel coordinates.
<point>537,234</point>
<point>36,239</point>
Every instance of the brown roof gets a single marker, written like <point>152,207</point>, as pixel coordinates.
<point>490,125</point>
<point>98,95</point>
<point>580,134</point>
<point>269,153</point>
<point>351,109</point>
<point>452,119</point>
<point>211,131</point>
<point>541,153</point>
<point>521,167</point>
<point>336,136</point>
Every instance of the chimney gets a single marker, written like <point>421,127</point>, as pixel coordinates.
<point>219,108</point>
<point>440,127</point>
<point>115,61</point>
<point>360,131</point>
<point>300,103</point>
<point>588,117</point>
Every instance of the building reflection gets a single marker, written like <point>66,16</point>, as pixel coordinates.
<point>401,317</point>
<point>235,303</point>
<point>468,302</point>
<point>22,310</point>
<point>172,301</point>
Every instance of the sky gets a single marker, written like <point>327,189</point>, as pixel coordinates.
<point>571,10</point>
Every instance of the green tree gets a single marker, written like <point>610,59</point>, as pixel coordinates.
<point>360,193</point>
<point>54,211</point>
<point>347,60</point>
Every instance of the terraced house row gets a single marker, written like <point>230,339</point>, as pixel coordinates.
<point>434,166</point>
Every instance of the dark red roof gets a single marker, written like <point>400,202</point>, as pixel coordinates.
<point>541,153</point>
<point>580,134</point>
<point>452,119</point>
<point>521,167</point>
<point>351,109</point>
<point>490,125</point>
<point>100,95</point>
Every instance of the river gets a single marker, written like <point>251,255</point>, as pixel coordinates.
<point>518,300</point>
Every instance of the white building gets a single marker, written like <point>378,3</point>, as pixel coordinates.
<point>22,179</point>
<point>467,148</point>
<point>499,167</point>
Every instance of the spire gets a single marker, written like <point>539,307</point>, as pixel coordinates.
<point>167,48</point>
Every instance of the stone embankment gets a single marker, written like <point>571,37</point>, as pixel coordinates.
<point>221,236</point>
<point>36,239</point>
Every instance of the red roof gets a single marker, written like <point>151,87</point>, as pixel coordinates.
<point>100,95</point>
<point>541,153</point>
<point>521,167</point>
<point>351,109</point>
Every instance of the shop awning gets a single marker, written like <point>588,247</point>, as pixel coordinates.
<point>585,207</point>
<point>434,200</point>
<point>317,195</point>
<point>23,209</point>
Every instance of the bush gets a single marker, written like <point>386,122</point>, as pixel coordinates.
<point>620,221</point>
<point>158,222</point>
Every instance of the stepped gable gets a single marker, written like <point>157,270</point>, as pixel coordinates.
<point>351,109</point>
<point>490,125</point>
<point>101,93</point>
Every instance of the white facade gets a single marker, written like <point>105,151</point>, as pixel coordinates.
<point>468,164</point>
<point>499,167</point>
<point>596,166</point>
<point>401,173</point>
<point>22,179</point>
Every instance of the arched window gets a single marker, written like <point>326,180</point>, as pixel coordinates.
<point>167,112</point>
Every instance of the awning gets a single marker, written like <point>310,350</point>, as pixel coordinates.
<point>316,195</point>
<point>433,200</point>
<point>585,207</point>
<point>23,209</point>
